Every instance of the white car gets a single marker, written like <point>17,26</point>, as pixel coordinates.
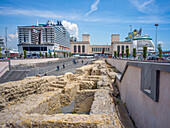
<point>168,59</point>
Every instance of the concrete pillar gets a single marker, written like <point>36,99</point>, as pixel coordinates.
<point>29,36</point>
<point>41,37</point>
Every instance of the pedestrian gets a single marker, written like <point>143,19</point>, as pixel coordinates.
<point>63,65</point>
<point>82,61</point>
<point>58,68</point>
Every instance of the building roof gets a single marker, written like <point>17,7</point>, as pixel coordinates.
<point>79,42</point>
<point>122,42</point>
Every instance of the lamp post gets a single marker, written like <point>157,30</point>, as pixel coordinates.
<point>156,38</point>
<point>6,39</point>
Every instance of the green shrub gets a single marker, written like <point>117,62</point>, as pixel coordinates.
<point>46,55</point>
<point>115,54</point>
<point>160,50</point>
<point>25,54</point>
<point>134,52</point>
<point>54,54</point>
<point>40,54</point>
<point>50,55</point>
<point>144,52</point>
<point>69,54</point>
<point>122,54</point>
<point>118,53</point>
<point>127,52</point>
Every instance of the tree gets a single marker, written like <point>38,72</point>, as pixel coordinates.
<point>50,55</point>
<point>134,52</point>
<point>115,54</point>
<point>46,55</point>
<point>118,53</point>
<point>40,54</point>
<point>160,51</point>
<point>127,52</point>
<point>122,54</point>
<point>144,52</point>
<point>69,54</point>
<point>25,54</point>
<point>54,54</point>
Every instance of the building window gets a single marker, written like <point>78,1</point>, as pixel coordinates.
<point>92,49</point>
<point>100,49</point>
<point>83,48</point>
<point>118,48</point>
<point>75,48</point>
<point>108,49</point>
<point>79,49</point>
<point>122,47</point>
<point>127,46</point>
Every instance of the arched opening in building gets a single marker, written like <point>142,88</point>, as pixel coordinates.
<point>127,46</point>
<point>122,47</point>
<point>79,49</point>
<point>118,48</point>
<point>83,48</point>
<point>75,48</point>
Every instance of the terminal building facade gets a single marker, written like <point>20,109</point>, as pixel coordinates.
<point>83,48</point>
<point>49,37</point>
<point>134,40</point>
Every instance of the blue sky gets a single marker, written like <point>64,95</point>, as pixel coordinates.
<point>99,18</point>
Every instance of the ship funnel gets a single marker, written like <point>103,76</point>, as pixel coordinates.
<point>140,31</point>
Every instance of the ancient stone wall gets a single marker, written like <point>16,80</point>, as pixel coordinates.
<point>84,98</point>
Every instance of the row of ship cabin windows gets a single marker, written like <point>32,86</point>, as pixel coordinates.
<point>100,49</point>
<point>118,47</point>
<point>79,49</point>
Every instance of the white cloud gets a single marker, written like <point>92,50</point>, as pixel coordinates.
<point>93,7</point>
<point>13,36</point>
<point>145,6</point>
<point>37,13</point>
<point>72,28</point>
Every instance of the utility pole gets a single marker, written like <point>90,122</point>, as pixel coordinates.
<point>156,38</point>
<point>6,39</point>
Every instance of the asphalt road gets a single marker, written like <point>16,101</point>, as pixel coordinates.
<point>69,67</point>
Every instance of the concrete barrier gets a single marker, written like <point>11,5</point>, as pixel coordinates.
<point>148,110</point>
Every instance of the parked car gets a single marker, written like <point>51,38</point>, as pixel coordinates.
<point>168,59</point>
<point>163,58</point>
<point>153,58</point>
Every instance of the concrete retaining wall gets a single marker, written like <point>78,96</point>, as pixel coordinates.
<point>145,112</point>
<point>118,63</point>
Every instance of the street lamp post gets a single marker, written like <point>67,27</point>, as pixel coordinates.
<point>6,39</point>
<point>156,38</point>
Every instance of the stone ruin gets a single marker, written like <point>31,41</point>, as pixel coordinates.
<point>83,99</point>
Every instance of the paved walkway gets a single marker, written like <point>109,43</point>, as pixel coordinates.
<point>70,67</point>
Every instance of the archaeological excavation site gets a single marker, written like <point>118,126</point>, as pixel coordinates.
<point>87,99</point>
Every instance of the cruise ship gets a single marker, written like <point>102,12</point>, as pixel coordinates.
<point>139,41</point>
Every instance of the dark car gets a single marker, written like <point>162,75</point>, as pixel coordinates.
<point>163,58</point>
<point>153,58</point>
